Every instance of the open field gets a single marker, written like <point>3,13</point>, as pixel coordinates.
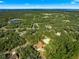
<point>39,35</point>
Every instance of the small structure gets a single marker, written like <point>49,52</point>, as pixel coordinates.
<point>58,33</point>
<point>42,44</point>
<point>39,46</point>
<point>46,40</point>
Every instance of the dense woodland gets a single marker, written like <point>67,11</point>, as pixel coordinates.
<point>18,28</point>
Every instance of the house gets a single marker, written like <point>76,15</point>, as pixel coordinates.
<point>46,40</point>
<point>42,44</point>
<point>58,33</point>
<point>39,46</point>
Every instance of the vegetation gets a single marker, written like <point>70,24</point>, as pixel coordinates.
<point>61,27</point>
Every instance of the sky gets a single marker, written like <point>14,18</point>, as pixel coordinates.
<point>39,4</point>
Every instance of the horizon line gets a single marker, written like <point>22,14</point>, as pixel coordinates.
<point>39,7</point>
